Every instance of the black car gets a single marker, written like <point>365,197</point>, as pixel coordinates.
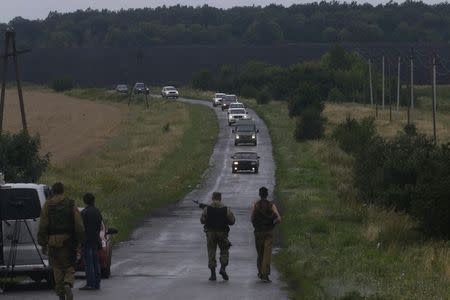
<point>245,161</point>
<point>245,132</point>
<point>227,99</point>
<point>139,88</point>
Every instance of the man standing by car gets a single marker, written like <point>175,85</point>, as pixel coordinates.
<point>217,219</point>
<point>92,220</point>
<point>61,233</point>
<point>264,217</point>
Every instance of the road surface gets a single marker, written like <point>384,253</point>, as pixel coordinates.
<point>166,256</point>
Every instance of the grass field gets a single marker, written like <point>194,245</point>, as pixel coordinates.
<point>156,158</point>
<point>335,247</point>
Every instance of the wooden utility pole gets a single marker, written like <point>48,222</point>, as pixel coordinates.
<point>411,63</point>
<point>434,99</point>
<point>10,38</point>
<point>370,82</point>
<point>382,84</point>
<point>398,83</point>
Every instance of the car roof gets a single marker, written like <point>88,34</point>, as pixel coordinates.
<point>169,86</point>
<point>231,95</point>
<point>22,185</point>
<point>221,94</point>
<point>234,103</point>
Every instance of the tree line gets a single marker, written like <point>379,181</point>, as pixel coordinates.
<point>409,21</point>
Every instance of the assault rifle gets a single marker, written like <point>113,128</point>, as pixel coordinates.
<point>200,205</point>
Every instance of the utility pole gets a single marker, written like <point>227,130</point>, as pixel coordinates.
<point>398,83</point>
<point>434,99</point>
<point>389,87</point>
<point>382,84</point>
<point>10,38</point>
<point>370,82</point>
<point>412,83</point>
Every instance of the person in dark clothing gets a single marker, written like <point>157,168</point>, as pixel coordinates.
<point>264,217</point>
<point>92,219</point>
<point>217,219</point>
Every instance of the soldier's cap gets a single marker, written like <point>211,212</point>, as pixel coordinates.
<point>217,196</point>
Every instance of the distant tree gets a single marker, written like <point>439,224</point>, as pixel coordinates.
<point>203,80</point>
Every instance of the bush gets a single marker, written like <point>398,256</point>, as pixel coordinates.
<point>310,125</point>
<point>203,80</point>
<point>20,159</point>
<point>61,85</point>
<point>306,96</point>
<point>263,97</point>
<point>355,136</point>
<point>335,95</point>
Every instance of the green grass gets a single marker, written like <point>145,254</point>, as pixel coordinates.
<point>335,247</point>
<point>158,156</point>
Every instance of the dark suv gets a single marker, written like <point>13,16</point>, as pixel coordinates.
<point>245,132</point>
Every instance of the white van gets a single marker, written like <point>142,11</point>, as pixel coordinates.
<point>20,209</point>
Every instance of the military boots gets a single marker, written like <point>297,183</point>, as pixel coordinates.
<point>213,276</point>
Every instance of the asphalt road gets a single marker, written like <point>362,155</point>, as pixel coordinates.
<point>166,256</point>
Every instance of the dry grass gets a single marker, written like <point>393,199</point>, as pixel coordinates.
<point>336,113</point>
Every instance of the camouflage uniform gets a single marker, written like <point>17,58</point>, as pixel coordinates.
<point>217,232</point>
<point>61,231</point>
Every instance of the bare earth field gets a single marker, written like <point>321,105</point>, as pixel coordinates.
<point>68,127</point>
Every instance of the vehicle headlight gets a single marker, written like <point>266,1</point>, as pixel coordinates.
<point>235,163</point>
<point>237,137</point>
<point>253,136</point>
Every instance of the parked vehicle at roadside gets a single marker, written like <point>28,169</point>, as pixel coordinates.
<point>122,88</point>
<point>20,209</point>
<point>235,114</point>
<point>139,88</point>
<point>245,161</point>
<point>245,132</point>
<point>169,92</point>
<point>217,99</point>
<point>227,100</point>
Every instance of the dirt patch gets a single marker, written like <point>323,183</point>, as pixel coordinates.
<point>68,127</point>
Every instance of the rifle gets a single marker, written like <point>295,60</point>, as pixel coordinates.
<point>200,205</point>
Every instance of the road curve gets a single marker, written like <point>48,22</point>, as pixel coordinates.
<point>166,256</point>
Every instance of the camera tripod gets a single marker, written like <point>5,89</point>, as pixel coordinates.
<point>12,254</point>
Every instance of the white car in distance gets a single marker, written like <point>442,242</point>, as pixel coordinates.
<point>217,99</point>
<point>169,92</point>
<point>235,114</point>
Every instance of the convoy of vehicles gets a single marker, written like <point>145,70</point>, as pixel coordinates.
<point>169,92</point>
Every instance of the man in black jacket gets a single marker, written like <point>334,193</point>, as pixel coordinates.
<point>217,219</point>
<point>92,219</point>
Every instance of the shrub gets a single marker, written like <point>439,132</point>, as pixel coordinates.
<point>263,97</point>
<point>61,85</point>
<point>20,159</point>
<point>355,136</point>
<point>335,95</point>
<point>310,125</point>
<point>306,96</point>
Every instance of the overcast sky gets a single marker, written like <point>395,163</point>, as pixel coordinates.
<point>39,9</point>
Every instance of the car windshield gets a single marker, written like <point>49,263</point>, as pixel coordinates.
<point>245,128</point>
<point>140,85</point>
<point>230,97</point>
<point>121,86</point>
<point>246,155</point>
<point>19,204</point>
<point>237,111</point>
<point>219,95</point>
<point>170,88</point>
<point>237,105</point>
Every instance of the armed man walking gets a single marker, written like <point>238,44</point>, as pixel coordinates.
<point>217,219</point>
<point>264,217</point>
<point>61,233</point>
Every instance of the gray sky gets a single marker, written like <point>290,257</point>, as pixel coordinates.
<point>39,9</point>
